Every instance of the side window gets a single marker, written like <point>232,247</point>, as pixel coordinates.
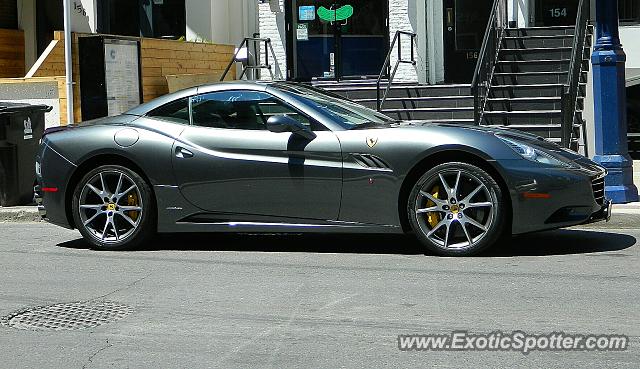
<point>247,110</point>
<point>175,111</point>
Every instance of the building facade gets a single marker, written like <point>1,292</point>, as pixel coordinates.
<point>310,44</point>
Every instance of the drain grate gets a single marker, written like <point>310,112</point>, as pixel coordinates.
<point>67,316</point>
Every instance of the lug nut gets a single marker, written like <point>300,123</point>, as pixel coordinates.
<point>450,216</point>
<point>453,201</point>
<point>445,207</point>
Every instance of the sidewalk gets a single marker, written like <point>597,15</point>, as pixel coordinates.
<point>30,213</point>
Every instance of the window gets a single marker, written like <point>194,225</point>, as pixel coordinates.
<point>247,110</point>
<point>175,111</point>
<point>629,11</point>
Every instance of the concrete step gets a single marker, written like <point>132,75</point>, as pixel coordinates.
<point>421,102</point>
<point>524,66</point>
<point>558,53</point>
<point>530,117</point>
<point>522,91</point>
<point>369,92</point>
<point>529,42</point>
<point>541,31</point>
<point>524,104</point>
<point>465,113</point>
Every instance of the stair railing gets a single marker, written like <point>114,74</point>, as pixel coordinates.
<point>571,89</point>
<point>488,57</point>
<point>397,39</point>
<point>255,64</point>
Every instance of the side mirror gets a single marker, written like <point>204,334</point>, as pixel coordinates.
<point>284,123</point>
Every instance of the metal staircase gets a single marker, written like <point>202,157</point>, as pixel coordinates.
<point>532,79</point>
<point>410,100</point>
<point>538,81</point>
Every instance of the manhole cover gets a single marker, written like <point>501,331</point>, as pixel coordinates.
<point>66,316</point>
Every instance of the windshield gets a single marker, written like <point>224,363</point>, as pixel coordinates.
<point>348,114</point>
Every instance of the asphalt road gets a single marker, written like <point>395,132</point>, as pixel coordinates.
<point>318,301</point>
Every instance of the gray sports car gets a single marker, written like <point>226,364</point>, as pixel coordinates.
<point>280,157</point>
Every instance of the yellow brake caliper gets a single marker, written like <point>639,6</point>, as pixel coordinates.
<point>434,217</point>
<point>132,200</point>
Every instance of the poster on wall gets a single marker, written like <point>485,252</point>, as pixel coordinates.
<point>122,77</point>
<point>302,33</point>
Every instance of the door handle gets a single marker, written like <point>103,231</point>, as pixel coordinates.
<point>183,153</point>
<point>450,20</point>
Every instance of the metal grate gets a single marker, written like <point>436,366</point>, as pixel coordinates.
<point>598,190</point>
<point>66,316</point>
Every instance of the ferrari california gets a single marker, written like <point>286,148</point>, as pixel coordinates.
<point>277,157</point>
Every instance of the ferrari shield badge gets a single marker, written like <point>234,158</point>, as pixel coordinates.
<point>372,141</point>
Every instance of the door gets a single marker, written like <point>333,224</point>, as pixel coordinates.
<point>337,38</point>
<point>227,162</point>
<point>465,23</point>
<point>551,13</point>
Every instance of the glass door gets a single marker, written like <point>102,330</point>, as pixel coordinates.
<point>338,39</point>
<point>465,22</point>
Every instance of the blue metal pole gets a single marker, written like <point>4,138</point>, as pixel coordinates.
<point>610,108</point>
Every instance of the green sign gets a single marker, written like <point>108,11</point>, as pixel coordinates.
<point>340,14</point>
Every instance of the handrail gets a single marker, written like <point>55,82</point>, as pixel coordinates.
<point>570,91</point>
<point>387,63</point>
<point>257,51</point>
<point>488,57</point>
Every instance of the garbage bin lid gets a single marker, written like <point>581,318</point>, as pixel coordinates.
<point>8,107</point>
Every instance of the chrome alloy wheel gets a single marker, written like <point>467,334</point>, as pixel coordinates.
<point>110,216</point>
<point>455,209</point>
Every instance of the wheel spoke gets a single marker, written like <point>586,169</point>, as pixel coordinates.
<point>480,205</point>
<point>455,188</point>
<point>127,218</point>
<point>130,208</point>
<point>475,223</point>
<point>115,229</point>
<point>106,227</point>
<point>446,235</point>
<point>436,228</point>
<point>119,185</point>
<point>428,210</point>
<point>126,191</point>
<point>432,198</point>
<point>466,232</point>
<point>447,189</point>
<point>472,194</point>
<point>104,186</point>
<point>94,207</point>
<point>94,189</point>
<point>86,222</point>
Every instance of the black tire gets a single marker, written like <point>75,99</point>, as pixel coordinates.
<point>115,219</point>
<point>453,220</point>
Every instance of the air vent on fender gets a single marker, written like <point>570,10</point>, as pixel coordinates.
<point>370,161</point>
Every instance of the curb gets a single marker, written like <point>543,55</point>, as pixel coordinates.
<point>20,214</point>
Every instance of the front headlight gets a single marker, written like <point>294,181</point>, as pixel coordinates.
<point>533,153</point>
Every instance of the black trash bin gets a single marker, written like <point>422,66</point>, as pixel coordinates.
<point>21,128</point>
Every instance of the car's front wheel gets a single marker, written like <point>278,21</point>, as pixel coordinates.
<point>456,209</point>
<point>113,208</point>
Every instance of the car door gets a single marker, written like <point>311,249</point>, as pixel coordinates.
<point>227,162</point>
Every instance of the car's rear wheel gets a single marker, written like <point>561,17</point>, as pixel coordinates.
<point>456,209</point>
<point>113,208</point>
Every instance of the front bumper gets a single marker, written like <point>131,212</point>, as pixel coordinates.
<point>546,198</point>
<point>604,214</point>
